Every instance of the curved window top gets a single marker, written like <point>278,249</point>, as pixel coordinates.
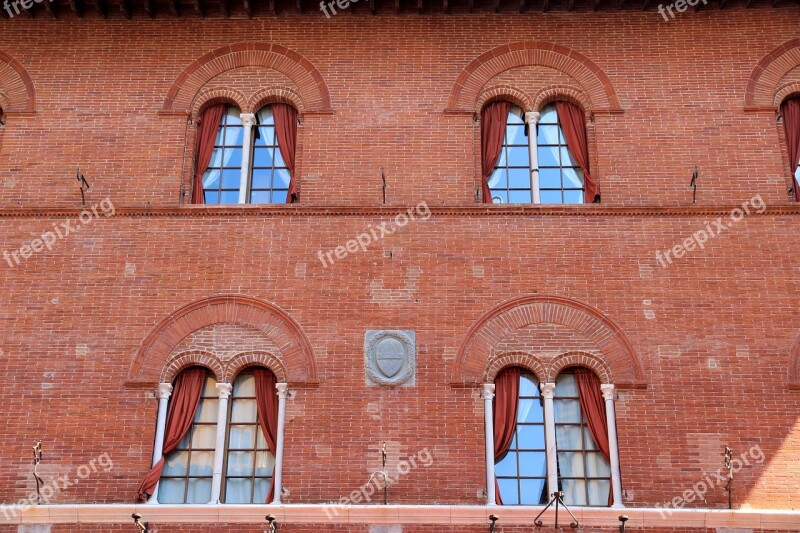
<point>222,179</point>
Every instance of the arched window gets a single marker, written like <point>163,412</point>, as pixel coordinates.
<point>522,473</point>
<point>188,470</point>
<point>549,167</point>
<point>584,474</point>
<point>252,157</point>
<point>790,110</point>
<point>249,459</point>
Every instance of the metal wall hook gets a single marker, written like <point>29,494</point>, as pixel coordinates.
<point>143,528</point>
<point>494,518</point>
<point>273,523</point>
<point>558,499</point>
<point>622,519</point>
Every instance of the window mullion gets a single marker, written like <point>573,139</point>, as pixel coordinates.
<point>548,391</point>
<point>219,446</point>
<point>248,120</point>
<point>532,120</point>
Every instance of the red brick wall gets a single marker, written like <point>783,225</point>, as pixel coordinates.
<point>713,330</point>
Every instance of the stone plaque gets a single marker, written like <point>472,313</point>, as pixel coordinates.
<point>390,357</point>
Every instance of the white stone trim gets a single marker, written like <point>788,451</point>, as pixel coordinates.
<point>613,446</point>
<point>598,517</point>
<point>282,391</point>
<point>548,392</point>
<point>532,119</point>
<point>224,390</point>
<point>164,392</point>
<point>488,423</point>
<point>248,121</point>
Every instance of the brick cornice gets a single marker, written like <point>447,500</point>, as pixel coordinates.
<point>477,210</point>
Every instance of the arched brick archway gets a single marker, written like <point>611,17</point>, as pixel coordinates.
<point>152,360</point>
<point>19,93</point>
<point>619,363</point>
<point>762,84</point>
<point>313,90</point>
<point>470,83</point>
<point>794,364</point>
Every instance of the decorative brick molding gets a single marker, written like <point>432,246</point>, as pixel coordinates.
<point>248,359</point>
<point>18,85</point>
<point>178,362</point>
<point>590,361</point>
<point>299,365</point>
<point>504,91</point>
<point>505,359</point>
<point>595,83</point>
<point>794,364</point>
<point>760,93</point>
<point>562,92</point>
<point>276,94</point>
<point>208,97</point>
<point>785,91</point>
<point>619,360</point>
<point>313,90</point>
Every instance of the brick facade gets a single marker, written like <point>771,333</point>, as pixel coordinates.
<point>704,352</point>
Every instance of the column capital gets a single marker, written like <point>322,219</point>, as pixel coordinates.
<point>248,119</point>
<point>164,391</point>
<point>608,391</point>
<point>283,390</point>
<point>548,390</point>
<point>532,117</point>
<point>224,390</point>
<point>488,391</point>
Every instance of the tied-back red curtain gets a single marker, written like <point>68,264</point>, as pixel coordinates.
<point>267,403</point>
<point>493,129</point>
<point>573,125</point>
<point>593,406</point>
<point>180,414</point>
<point>206,135</point>
<point>286,131</point>
<point>506,403</point>
<point>791,121</point>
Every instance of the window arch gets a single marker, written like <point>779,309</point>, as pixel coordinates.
<point>790,110</point>
<point>548,167</point>
<point>552,437</point>
<point>245,158</point>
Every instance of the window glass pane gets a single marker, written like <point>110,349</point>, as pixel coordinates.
<point>550,197</point>
<point>518,157</point>
<point>547,135</point>
<point>566,158</point>
<point>232,116</point>
<point>281,178</point>
<point>261,441</point>
<point>261,178</point>
<point>262,157</point>
<point>231,179</point>
<point>238,491</point>
<point>171,490</point>
<point>279,197</point>
<point>234,135</point>
<point>265,115</point>
<point>244,411</point>
<point>531,437</point>
<point>216,158</point>
<point>797,174</point>
<point>259,197</point>
<point>528,385</point>
<point>567,412</point>
<point>242,437</point>
<point>566,386</point>
<point>519,178</point>
<point>516,135</point>
<point>515,115</point>
<point>503,158</point>
<point>507,465</point>
<point>176,464</point>
<point>573,178</point>
<point>240,463</point>
<point>211,198</point>
<point>233,158</point>
<point>279,158</point>
<point>588,441</point>
<point>598,491</point>
<point>262,489</point>
<point>597,466</point>
<point>570,464</point>
<point>204,436</point>
<point>498,179</point>
<point>534,491</point>
<point>265,463</point>
<point>568,437</point>
<point>530,411</point>
<point>550,178</point>
<point>519,197</point>
<point>574,491</point>
<point>548,115</point>
<point>199,491</point>
<point>229,197</point>
<point>548,156</point>
<point>245,385</point>
<point>211,179</point>
<point>509,491</point>
<point>573,197</point>
<point>202,464</point>
<point>532,464</point>
<point>266,136</point>
<point>499,197</point>
<point>207,411</point>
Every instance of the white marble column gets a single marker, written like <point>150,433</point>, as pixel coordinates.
<point>613,447</point>
<point>164,392</point>
<point>548,391</point>
<point>224,390</point>
<point>283,389</point>
<point>532,119</point>
<point>488,424</point>
<point>248,120</point>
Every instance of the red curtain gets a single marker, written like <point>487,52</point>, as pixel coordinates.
<point>180,414</point>
<point>791,121</point>
<point>206,135</point>
<point>267,403</point>
<point>573,124</point>
<point>593,406</point>
<point>506,403</point>
<point>286,131</point>
<point>493,129</point>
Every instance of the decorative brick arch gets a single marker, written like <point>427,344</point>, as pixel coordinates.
<point>586,360</point>
<point>620,360</point>
<point>20,93</point>
<point>313,90</point>
<point>208,97</point>
<point>276,94</point>
<point>250,359</point>
<point>295,349</point>
<point>503,91</point>
<point>790,89</point>
<point>762,84</point>
<point>181,361</point>
<point>522,359</point>
<point>794,364</point>
<point>594,82</point>
<point>561,92</point>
